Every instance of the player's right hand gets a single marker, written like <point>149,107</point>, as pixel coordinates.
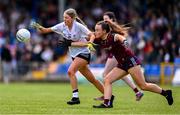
<point>108,21</point>
<point>35,25</point>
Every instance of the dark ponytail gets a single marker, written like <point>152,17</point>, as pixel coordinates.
<point>120,29</point>
<point>104,26</point>
<point>111,15</point>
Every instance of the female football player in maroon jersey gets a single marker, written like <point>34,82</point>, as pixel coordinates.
<point>111,62</point>
<point>128,63</point>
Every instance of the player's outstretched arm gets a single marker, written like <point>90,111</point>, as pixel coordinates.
<point>40,28</point>
<point>88,44</point>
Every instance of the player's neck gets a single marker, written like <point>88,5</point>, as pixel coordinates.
<point>105,36</point>
<point>70,27</point>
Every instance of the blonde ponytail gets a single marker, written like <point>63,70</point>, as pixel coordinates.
<point>80,21</point>
<point>73,14</point>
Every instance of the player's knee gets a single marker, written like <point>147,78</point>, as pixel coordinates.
<point>107,80</point>
<point>104,75</point>
<point>143,86</point>
<point>71,73</point>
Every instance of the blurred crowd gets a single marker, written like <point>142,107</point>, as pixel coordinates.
<point>154,33</point>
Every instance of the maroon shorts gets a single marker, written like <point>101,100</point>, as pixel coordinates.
<point>128,63</point>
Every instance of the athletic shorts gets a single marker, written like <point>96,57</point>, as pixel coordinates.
<point>84,56</point>
<point>129,63</point>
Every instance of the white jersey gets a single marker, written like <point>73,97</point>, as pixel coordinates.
<point>78,33</point>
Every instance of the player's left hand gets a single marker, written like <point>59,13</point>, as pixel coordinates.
<point>91,46</point>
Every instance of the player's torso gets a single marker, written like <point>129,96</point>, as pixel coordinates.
<point>116,48</point>
<point>74,34</point>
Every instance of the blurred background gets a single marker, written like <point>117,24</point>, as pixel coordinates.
<point>154,37</point>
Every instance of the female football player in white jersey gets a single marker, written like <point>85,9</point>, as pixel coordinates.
<point>72,30</point>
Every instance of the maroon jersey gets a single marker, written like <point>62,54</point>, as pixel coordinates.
<point>123,54</point>
<point>110,55</point>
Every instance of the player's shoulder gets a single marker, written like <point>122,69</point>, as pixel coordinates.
<point>111,34</point>
<point>61,24</point>
<point>79,24</point>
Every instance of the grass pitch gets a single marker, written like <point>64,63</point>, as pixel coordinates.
<point>50,98</point>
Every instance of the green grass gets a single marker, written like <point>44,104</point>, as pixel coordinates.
<point>49,98</point>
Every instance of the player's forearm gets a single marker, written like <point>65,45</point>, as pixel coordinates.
<point>84,44</point>
<point>44,30</point>
<point>89,45</point>
<point>79,44</point>
<point>40,28</point>
<point>91,37</point>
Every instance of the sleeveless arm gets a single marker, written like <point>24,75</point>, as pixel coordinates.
<point>122,39</point>
<point>118,37</point>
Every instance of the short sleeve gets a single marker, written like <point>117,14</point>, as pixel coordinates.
<point>57,28</point>
<point>83,28</point>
